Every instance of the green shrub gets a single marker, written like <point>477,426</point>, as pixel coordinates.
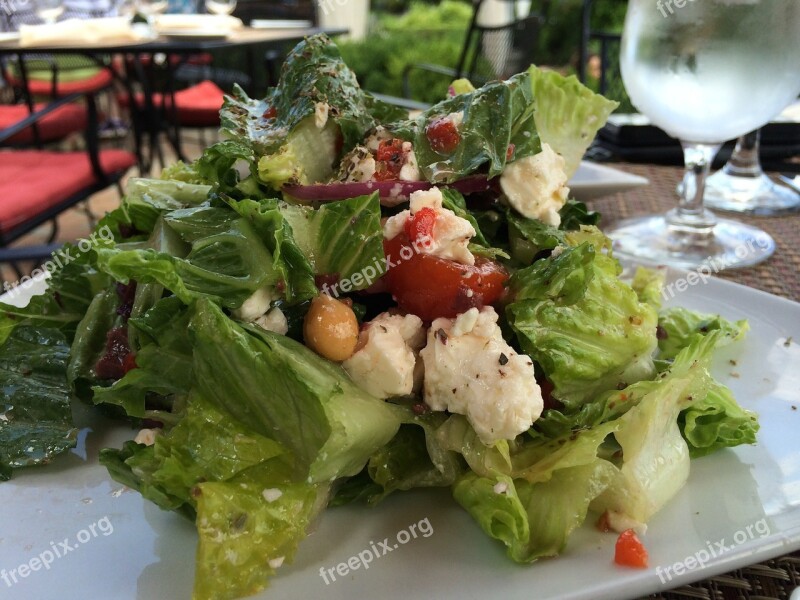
<point>425,34</point>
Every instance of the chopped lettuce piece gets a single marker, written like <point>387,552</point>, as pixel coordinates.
<point>36,417</point>
<point>285,391</point>
<point>648,285</point>
<point>223,258</point>
<point>307,157</point>
<point>492,118</point>
<point>343,240</point>
<point>681,326</point>
<point>163,363</point>
<point>567,114</point>
<point>582,324</point>
<point>655,457</point>
<point>248,527</point>
<point>146,199</point>
<point>717,421</point>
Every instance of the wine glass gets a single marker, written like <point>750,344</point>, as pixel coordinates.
<point>705,72</point>
<point>152,8</point>
<point>742,186</point>
<point>220,7</point>
<point>49,10</point>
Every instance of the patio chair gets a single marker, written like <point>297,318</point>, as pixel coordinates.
<point>37,185</point>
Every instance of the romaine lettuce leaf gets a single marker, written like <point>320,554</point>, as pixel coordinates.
<point>493,117</point>
<point>223,258</point>
<point>343,240</point>
<point>163,361</point>
<point>146,199</point>
<point>681,326</point>
<point>582,324</point>
<point>36,417</point>
<point>655,457</point>
<point>567,114</point>
<point>246,533</point>
<point>717,421</point>
<point>286,392</point>
<point>294,268</point>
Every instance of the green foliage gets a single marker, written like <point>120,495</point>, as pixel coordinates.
<point>425,34</point>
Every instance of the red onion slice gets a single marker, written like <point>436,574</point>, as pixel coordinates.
<point>391,193</point>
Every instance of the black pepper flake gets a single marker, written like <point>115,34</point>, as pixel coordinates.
<point>661,333</point>
<point>794,407</point>
<point>238,522</point>
<point>503,359</point>
<point>441,335</point>
<point>454,390</point>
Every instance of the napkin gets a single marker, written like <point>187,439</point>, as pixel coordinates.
<point>189,23</point>
<point>76,32</point>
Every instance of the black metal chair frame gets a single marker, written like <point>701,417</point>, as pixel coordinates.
<point>471,50</point>
<point>102,181</point>
<point>607,39</point>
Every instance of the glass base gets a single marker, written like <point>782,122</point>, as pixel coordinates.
<point>755,195</point>
<point>726,245</point>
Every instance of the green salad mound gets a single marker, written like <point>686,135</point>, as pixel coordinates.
<point>252,434</point>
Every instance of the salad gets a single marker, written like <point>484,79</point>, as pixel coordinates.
<point>338,302</point>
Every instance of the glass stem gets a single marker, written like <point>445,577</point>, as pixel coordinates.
<point>744,160</point>
<point>690,212</point>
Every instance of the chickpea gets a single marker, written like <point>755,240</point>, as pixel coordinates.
<point>330,328</point>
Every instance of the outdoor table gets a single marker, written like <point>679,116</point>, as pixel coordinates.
<point>248,38</point>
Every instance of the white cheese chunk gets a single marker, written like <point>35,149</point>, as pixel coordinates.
<point>146,437</point>
<point>536,186</point>
<point>472,371</point>
<point>451,234</point>
<point>384,363</point>
<point>256,305</point>
<point>273,320</point>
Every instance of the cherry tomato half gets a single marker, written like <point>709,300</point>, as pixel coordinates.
<point>432,287</point>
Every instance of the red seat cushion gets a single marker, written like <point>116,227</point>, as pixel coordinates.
<point>44,87</point>
<point>198,105</point>
<point>32,181</point>
<point>57,125</point>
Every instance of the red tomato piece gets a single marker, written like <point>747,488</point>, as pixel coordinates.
<point>443,136</point>
<point>270,113</point>
<point>629,551</point>
<point>432,287</point>
<point>420,226</point>
<point>510,152</point>
<point>389,157</point>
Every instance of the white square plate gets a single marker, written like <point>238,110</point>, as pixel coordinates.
<point>747,499</point>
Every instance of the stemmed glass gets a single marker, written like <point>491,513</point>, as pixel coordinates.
<point>706,72</point>
<point>742,186</point>
<point>49,10</point>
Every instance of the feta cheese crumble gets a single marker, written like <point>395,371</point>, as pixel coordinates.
<point>451,233</point>
<point>472,371</point>
<point>271,494</point>
<point>146,437</point>
<point>256,309</point>
<point>385,363</point>
<point>536,186</point>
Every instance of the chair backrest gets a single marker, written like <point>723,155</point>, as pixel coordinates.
<point>498,51</point>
